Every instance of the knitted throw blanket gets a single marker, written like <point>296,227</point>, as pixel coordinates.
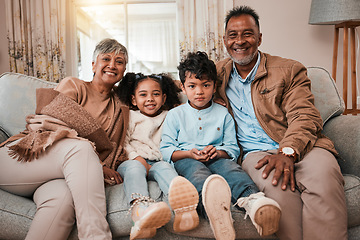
<point>58,117</point>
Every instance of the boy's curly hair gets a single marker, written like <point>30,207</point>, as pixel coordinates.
<point>131,80</point>
<point>197,63</point>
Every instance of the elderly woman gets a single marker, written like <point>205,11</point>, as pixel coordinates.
<point>70,146</point>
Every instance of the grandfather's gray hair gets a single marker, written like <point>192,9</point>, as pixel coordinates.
<point>109,45</point>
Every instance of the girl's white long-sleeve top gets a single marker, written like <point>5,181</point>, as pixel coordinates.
<point>144,135</point>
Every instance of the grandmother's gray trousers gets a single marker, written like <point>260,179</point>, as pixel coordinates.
<point>66,181</point>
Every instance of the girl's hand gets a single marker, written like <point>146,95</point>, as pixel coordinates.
<point>112,175</point>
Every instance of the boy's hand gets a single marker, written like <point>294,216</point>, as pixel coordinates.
<point>198,155</point>
<point>211,151</point>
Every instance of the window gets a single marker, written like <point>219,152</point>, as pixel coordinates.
<point>147,29</point>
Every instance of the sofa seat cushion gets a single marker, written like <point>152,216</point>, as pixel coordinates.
<point>16,214</point>
<point>352,194</point>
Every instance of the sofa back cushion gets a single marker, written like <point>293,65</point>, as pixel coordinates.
<point>17,100</point>
<point>327,97</point>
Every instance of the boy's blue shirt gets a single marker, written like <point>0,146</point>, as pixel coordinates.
<point>186,128</point>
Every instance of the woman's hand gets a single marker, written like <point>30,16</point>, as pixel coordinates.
<point>112,175</point>
<point>282,165</point>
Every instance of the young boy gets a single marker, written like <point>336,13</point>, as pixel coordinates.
<point>199,138</point>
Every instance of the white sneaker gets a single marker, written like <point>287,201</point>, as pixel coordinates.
<point>216,198</point>
<point>264,212</point>
<point>183,199</point>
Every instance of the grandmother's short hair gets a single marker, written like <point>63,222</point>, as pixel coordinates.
<point>109,45</point>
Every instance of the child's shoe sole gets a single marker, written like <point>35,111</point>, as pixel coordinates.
<point>183,199</point>
<point>216,197</point>
<point>267,220</point>
<point>153,219</point>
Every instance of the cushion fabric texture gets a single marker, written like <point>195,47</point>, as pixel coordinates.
<point>327,97</point>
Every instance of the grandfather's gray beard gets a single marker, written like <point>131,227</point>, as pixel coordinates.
<point>244,61</point>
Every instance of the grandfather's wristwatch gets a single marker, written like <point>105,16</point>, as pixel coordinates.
<point>289,152</point>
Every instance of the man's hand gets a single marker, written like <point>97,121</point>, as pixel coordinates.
<point>283,165</point>
<point>112,175</point>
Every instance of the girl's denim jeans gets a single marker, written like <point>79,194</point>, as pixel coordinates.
<point>135,179</point>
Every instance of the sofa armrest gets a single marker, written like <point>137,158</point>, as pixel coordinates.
<point>3,135</point>
<point>344,131</point>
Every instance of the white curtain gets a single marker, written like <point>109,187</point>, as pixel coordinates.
<point>152,43</point>
<point>36,34</point>
<point>201,26</point>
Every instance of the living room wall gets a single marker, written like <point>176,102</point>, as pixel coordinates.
<point>286,32</point>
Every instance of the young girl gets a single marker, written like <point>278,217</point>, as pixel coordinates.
<point>150,98</point>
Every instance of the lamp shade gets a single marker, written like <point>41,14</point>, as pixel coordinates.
<point>334,11</point>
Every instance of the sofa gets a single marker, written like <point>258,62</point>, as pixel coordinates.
<point>17,99</point>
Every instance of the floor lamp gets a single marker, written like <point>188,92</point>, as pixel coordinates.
<point>343,14</point>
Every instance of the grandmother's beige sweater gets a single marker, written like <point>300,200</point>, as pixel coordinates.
<point>75,106</point>
<point>106,109</point>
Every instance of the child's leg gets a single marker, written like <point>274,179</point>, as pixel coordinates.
<point>146,214</point>
<point>264,212</point>
<point>183,196</point>
<point>240,183</point>
<point>208,186</point>
<point>163,173</point>
<point>134,175</point>
<point>216,197</point>
<point>197,173</point>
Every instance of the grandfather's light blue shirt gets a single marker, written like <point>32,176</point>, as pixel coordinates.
<point>250,134</point>
<point>186,128</point>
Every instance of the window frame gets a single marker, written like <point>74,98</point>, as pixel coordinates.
<point>72,48</point>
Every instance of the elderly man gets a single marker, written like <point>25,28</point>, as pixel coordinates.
<point>279,130</point>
